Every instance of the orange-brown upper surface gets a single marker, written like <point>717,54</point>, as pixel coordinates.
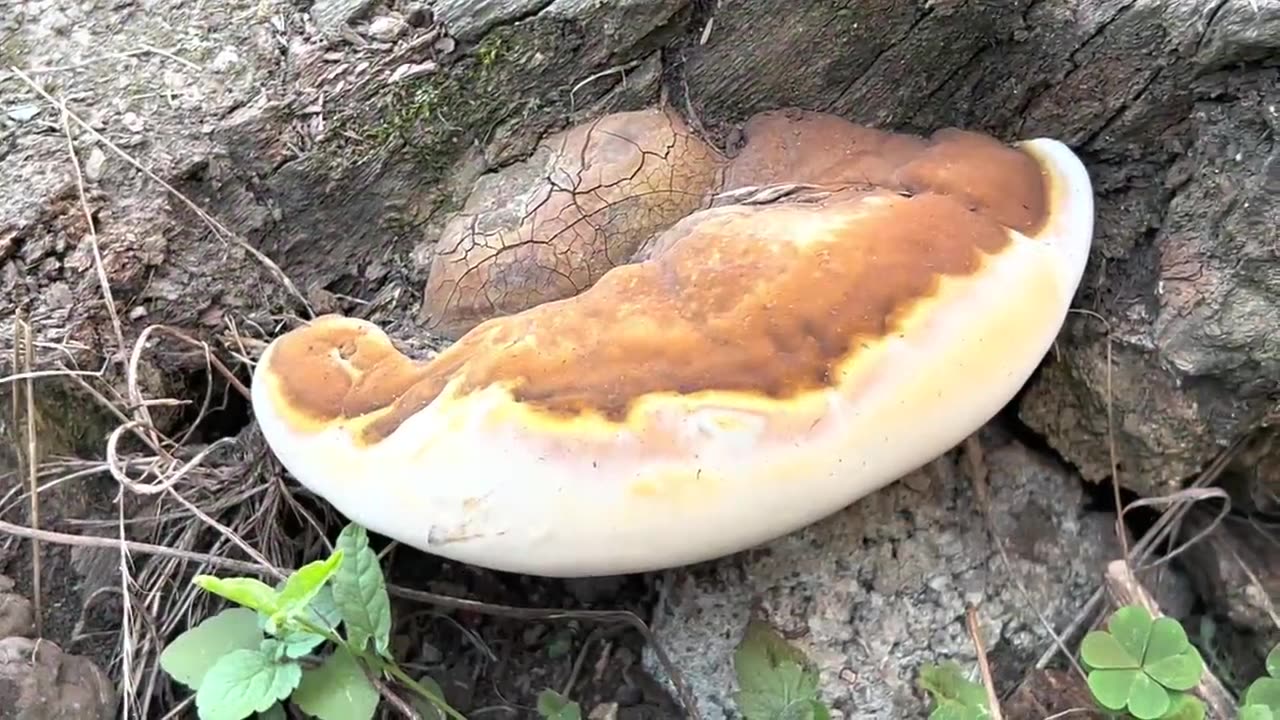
<point>795,146</point>
<point>765,300</point>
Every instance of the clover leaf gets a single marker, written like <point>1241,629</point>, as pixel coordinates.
<point>1136,662</point>
<point>955,697</point>
<point>1262,697</point>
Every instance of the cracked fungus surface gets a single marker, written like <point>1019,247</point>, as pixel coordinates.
<point>744,302</point>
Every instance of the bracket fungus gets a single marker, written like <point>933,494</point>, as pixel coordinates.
<point>765,364</point>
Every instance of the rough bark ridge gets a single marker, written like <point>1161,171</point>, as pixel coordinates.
<point>338,139</point>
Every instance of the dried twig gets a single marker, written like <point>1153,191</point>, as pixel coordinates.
<point>984,666</point>
<point>32,463</point>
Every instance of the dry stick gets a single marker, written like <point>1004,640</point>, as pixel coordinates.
<point>1269,607</point>
<point>96,541</point>
<point>1127,590</point>
<point>103,283</point>
<point>975,632</point>
<point>32,478</point>
<point>126,618</point>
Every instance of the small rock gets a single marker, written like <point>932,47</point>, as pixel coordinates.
<point>40,682</point>
<point>431,654</point>
<point>419,15</point>
<point>604,711</point>
<point>16,616</point>
<point>331,15</point>
<point>132,121</point>
<point>226,59</point>
<point>93,164</point>
<point>387,28</point>
<point>444,45</point>
<point>59,295</point>
<point>629,695</point>
<point>413,70</point>
<point>23,113</point>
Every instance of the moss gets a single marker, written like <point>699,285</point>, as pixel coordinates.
<point>12,50</point>
<point>523,69</point>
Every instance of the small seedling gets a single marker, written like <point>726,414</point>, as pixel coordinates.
<point>554,706</point>
<point>249,659</point>
<point>955,697</point>
<point>1143,666</point>
<point>775,680</point>
<point>1262,698</point>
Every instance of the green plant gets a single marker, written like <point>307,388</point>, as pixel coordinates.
<point>775,680</point>
<point>1262,698</point>
<point>554,706</point>
<point>955,697</point>
<point>1143,666</point>
<point>249,659</point>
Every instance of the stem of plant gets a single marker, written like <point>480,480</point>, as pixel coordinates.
<point>382,665</point>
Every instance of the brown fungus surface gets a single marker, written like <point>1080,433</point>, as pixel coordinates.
<point>762,301</point>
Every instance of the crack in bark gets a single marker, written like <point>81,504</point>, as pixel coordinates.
<point>1208,25</point>
<point>871,66</point>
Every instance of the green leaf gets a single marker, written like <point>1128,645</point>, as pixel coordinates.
<point>1264,691</point>
<point>554,706</point>
<point>337,690</point>
<point>1167,639</point>
<point>244,682</point>
<point>361,592</point>
<point>249,592</point>
<point>774,679</point>
<point>426,708</point>
<point>1256,712</point>
<point>1273,662</point>
<point>949,686</point>
<point>275,712</point>
<point>192,653</point>
<point>1131,627</point>
<point>1103,651</point>
<point>1185,707</point>
<point>1177,672</point>
<point>952,710</point>
<point>1111,687</point>
<point>1147,700</point>
<point>304,583</point>
<point>321,613</point>
<point>1170,659</point>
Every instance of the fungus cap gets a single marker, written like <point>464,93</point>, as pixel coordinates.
<point>769,366</point>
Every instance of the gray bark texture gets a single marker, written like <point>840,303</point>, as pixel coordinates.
<point>329,145</point>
